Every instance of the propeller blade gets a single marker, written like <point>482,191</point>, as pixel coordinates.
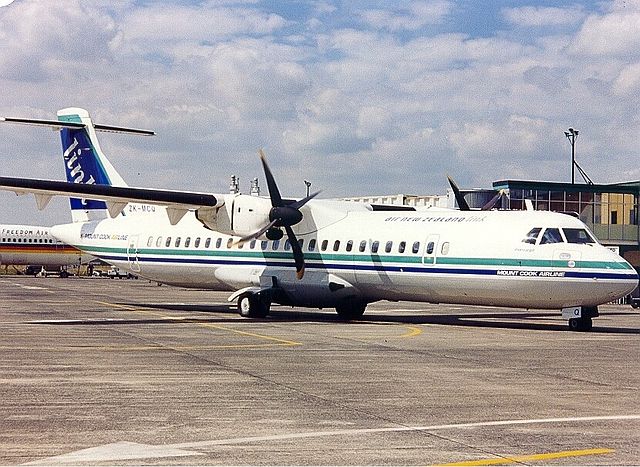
<point>298,204</point>
<point>249,237</point>
<point>298,256</point>
<point>274,193</point>
<point>492,202</point>
<point>462,203</point>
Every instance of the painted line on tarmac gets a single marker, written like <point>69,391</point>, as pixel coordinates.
<point>277,341</point>
<point>126,450</point>
<point>531,457</point>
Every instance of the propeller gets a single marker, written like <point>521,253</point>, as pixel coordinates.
<point>462,203</point>
<point>282,215</point>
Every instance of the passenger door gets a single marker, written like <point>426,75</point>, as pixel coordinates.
<point>132,253</point>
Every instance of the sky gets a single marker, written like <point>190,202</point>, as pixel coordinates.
<point>358,97</point>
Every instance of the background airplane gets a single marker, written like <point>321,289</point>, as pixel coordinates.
<point>335,254</point>
<point>34,245</point>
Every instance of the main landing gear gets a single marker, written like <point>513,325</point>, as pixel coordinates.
<point>351,309</point>
<point>253,305</point>
<point>580,324</point>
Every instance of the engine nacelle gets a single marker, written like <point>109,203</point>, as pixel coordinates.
<point>240,215</point>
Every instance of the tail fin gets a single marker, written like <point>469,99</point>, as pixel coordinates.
<point>84,162</point>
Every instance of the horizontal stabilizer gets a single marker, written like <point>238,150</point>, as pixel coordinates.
<point>57,125</point>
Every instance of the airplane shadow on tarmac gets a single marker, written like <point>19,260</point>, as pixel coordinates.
<point>517,319</point>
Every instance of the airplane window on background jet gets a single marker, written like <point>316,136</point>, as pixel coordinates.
<point>229,242</point>
<point>388,247</point>
<point>252,244</point>
<point>336,245</point>
<point>445,248</point>
<point>264,244</point>
<point>150,241</point>
<point>363,246</point>
<point>187,242</point>
<point>324,244</point>
<point>416,247</point>
<point>207,242</point>
<point>349,245</point>
<point>430,247</point>
<point>374,246</point>
<point>168,243</point>
<point>551,236</point>
<point>177,244</point>
<point>532,236</point>
<point>301,242</point>
<point>401,247</point>
<point>578,236</point>
<point>218,243</point>
<point>276,244</point>
<point>159,242</point>
<point>197,243</point>
<point>287,245</point>
<point>312,244</point>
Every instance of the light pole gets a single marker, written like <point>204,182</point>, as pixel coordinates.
<point>571,136</point>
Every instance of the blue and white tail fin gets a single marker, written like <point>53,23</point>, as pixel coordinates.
<point>84,162</point>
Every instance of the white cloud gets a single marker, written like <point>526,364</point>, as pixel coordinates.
<point>415,16</point>
<point>532,16</point>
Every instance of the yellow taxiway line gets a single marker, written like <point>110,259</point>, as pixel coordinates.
<point>532,457</point>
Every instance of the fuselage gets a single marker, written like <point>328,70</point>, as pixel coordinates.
<point>31,244</point>
<point>503,258</point>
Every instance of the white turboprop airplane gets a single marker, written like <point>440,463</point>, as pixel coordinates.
<point>34,245</point>
<point>353,253</point>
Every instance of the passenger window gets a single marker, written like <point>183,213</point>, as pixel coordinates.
<point>229,242</point>
<point>336,245</point>
<point>159,242</point>
<point>276,244</point>
<point>578,236</point>
<point>150,241</point>
<point>287,245</point>
<point>324,244</point>
<point>551,236</point>
<point>532,236</point>
<point>363,246</point>
<point>388,247</point>
<point>445,248</point>
<point>374,246</point>
<point>416,248</point>
<point>207,242</point>
<point>187,242</point>
<point>312,244</point>
<point>177,244</point>
<point>264,244</point>
<point>401,247</point>
<point>197,243</point>
<point>252,244</point>
<point>218,243</point>
<point>168,244</point>
<point>349,245</point>
<point>301,242</point>
<point>430,247</point>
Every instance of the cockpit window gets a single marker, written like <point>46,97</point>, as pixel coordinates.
<point>551,236</point>
<point>578,236</point>
<point>532,236</point>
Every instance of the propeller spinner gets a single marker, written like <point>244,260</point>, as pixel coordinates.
<point>282,215</point>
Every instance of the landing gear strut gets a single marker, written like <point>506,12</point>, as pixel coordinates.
<point>581,319</point>
<point>253,305</point>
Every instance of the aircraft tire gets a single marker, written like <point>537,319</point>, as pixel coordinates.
<point>251,306</point>
<point>580,324</point>
<point>351,309</point>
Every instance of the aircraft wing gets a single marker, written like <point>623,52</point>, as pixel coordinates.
<point>116,198</point>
